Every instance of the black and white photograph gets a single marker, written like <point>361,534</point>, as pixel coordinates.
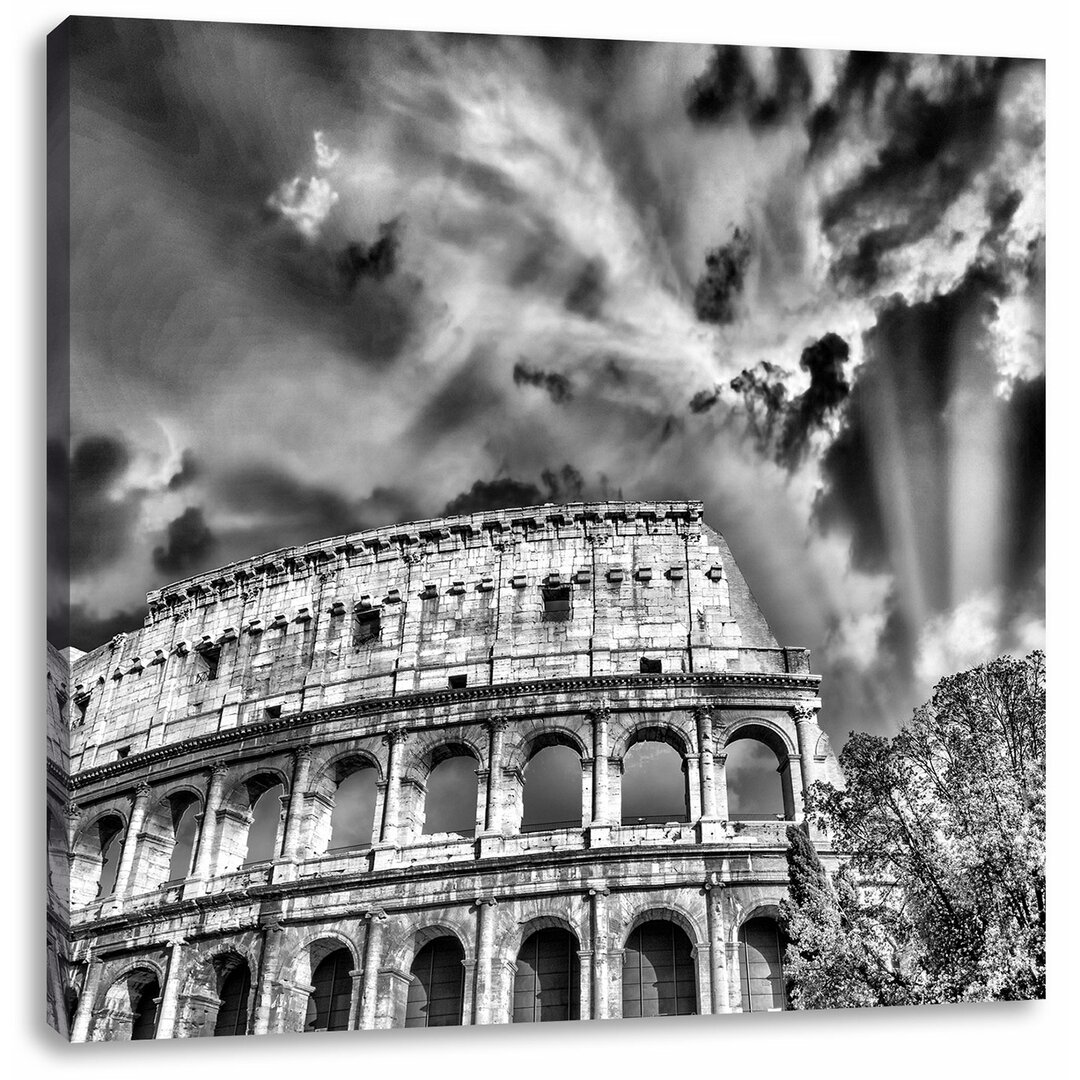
<point>539,529</point>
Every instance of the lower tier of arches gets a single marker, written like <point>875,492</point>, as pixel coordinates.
<point>598,952</point>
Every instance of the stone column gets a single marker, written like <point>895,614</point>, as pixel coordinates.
<point>485,943</point>
<point>720,786</point>
<point>496,737</point>
<point>166,1021</point>
<point>490,840</point>
<point>397,739</point>
<point>197,882</point>
<point>285,864</point>
<point>805,728</point>
<point>718,972</point>
<point>131,837</point>
<point>369,994</point>
<point>598,923</point>
<point>80,1028</point>
<point>585,979</point>
<point>268,965</point>
<point>600,830</point>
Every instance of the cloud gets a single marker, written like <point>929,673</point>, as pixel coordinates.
<point>704,400</point>
<point>718,289</point>
<point>304,203</point>
<point>189,471</point>
<point>78,626</point>
<point>566,485</point>
<point>103,513</point>
<point>586,295</point>
<point>730,89</point>
<point>939,118</point>
<point>377,260</point>
<point>556,385</point>
<point>189,543</point>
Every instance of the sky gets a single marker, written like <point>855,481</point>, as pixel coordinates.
<point>325,280</point>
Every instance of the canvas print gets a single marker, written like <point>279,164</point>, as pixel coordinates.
<point>539,530</point>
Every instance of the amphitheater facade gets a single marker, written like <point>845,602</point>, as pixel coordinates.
<point>242,826</point>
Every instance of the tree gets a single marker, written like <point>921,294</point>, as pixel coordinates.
<point>941,834</point>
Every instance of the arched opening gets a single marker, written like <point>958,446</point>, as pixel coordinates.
<point>658,972</point>
<point>331,997</point>
<point>234,989</point>
<point>552,796</point>
<point>450,802</point>
<point>184,835</point>
<point>654,782</point>
<point>353,816</point>
<point>758,776</point>
<point>547,983</point>
<point>437,987</point>
<point>263,830</point>
<point>761,965</point>
<point>111,831</point>
<point>144,1010</point>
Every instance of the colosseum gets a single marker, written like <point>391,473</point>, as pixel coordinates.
<point>255,799</point>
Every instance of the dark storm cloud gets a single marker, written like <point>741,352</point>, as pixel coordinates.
<point>854,93</point>
<point>558,386</point>
<point>587,294</point>
<point>704,400</point>
<point>1025,435</point>
<point>729,89</point>
<point>824,360</point>
<point>189,470</point>
<point>101,520</point>
<point>938,142</point>
<point>563,486</point>
<point>918,356</point>
<point>189,543</point>
<point>718,289</point>
<point>377,260</point>
<point>86,630</point>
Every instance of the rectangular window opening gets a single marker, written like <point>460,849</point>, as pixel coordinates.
<point>207,669</point>
<point>458,682</point>
<point>650,666</point>
<point>556,603</point>
<point>367,627</point>
<point>123,752</point>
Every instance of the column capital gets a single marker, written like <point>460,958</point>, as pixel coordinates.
<point>803,714</point>
<point>720,759</point>
<point>702,712</point>
<point>599,890</point>
<point>485,901</point>
<point>73,810</point>
<point>497,724</point>
<point>398,736</point>
<point>375,915</point>
<point>599,713</point>
<point>143,791</point>
<point>302,754</point>
<point>218,770</point>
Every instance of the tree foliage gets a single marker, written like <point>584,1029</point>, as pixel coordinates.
<point>941,833</point>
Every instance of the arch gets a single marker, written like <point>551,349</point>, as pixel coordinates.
<point>547,979</point>
<point>234,992</point>
<point>129,1005</point>
<point>755,790</point>
<point>659,976</point>
<point>524,744</point>
<point>345,762</point>
<point>406,944</point>
<point>237,816</point>
<point>307,951</point>
<point>764,730</point>
<point>330,1001</point>
<point>437,984</point>
<point>551,787</point>
<point>96,857</point>
<point>671,913</point>
<point>654,785</point>
<point>651,729</point>
<point>169,824</point>
<point>433,749</point>
<point>345,808</point>
<point>761,964</point>
<point>451,790</point>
